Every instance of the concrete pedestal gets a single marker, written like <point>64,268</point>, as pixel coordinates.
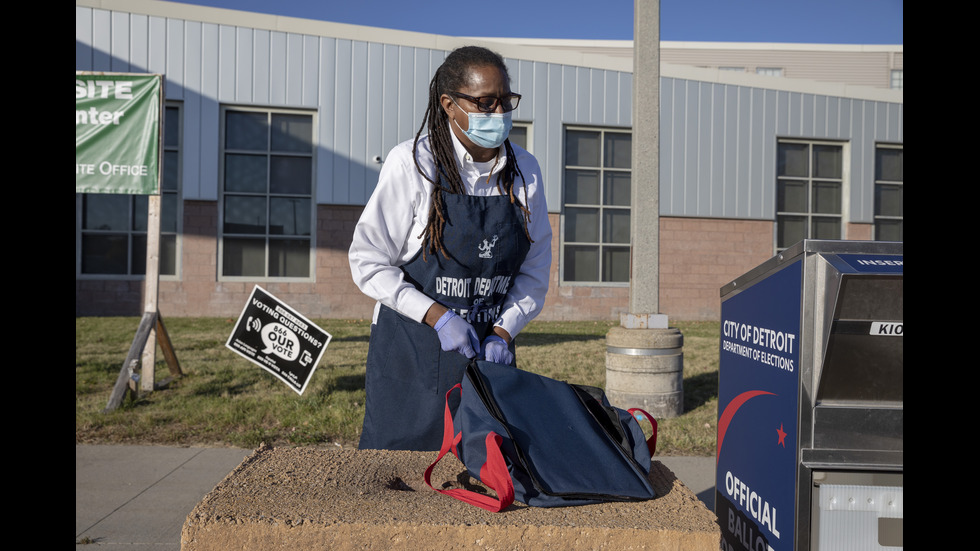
<point>645,369</point>
<point>305,498</point>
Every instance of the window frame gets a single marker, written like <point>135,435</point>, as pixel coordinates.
<point>810,179</point>
<point>528,132</point>
<point>879,181</point>
<point>223,151</point>
<point>133,204</point>
<point>602,207</point>
<point>770,71</point>
<point>178,232</point>
<point>896,79</point>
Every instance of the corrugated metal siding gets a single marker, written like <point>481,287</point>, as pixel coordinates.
<point>718,141</point>
<point>718,145</point>
<point>367,96</point>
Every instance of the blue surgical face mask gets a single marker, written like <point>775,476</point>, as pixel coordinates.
<point>487,130</point>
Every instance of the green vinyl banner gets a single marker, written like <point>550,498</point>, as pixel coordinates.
<point>117,133</point>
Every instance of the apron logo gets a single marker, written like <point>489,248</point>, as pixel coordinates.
<point>486,249</point>
<point>475,309</point>
<point>481,311</point>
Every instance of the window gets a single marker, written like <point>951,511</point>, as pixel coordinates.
<point>889,202</point>
<point>113,227</point>
<point>267,194</point>
<point>898,79</point>
<point>596,217</point>
<point>520,134</point>
<point>170,211</point>
<point>769,71</point>
<point>735,69</point>
<point>809,191</point>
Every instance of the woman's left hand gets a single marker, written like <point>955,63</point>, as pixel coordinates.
<point>495,350</point>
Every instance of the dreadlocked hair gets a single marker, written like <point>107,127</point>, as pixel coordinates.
<point>452,75</point>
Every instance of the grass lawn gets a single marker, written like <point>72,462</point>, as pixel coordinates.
<point>224,400</point>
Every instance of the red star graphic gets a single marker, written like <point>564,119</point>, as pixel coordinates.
<point>782,435</point>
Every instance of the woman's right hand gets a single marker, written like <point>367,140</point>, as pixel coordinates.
<point>457,334</point>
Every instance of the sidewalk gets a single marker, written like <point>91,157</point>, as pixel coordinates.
<point>137,497</point>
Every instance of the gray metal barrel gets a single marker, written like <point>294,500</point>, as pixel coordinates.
<point>645,369</point>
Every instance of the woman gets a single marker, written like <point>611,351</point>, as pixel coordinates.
<point>455,245</point>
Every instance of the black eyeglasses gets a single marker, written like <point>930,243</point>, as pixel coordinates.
<point>488,104</point>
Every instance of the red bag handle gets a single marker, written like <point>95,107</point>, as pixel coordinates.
<point>493,473</point>
<point>652,441</point>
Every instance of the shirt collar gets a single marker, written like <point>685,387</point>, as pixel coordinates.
<point>466,161</point>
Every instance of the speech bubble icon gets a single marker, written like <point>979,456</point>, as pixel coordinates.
<point>281,341</point>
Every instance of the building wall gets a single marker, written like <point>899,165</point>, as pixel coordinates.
<point>107,297</point>
<point>863,65</point>
<point>718,140</point>
<point>367,87</point>
<point>852,64</point>
<point>719,135</point>
<point>718,145</point>
<point>197,291</point>
<point>697,257</point>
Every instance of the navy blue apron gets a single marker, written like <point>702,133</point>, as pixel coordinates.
<point>408,374</point>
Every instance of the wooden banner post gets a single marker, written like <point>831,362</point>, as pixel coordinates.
<point>151,329</point>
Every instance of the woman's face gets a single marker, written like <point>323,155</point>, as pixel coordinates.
<point>485,80</point>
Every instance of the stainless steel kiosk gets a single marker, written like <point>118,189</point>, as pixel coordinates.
<point>810,392</point>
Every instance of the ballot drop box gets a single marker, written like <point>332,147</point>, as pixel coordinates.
<point>810,400</point>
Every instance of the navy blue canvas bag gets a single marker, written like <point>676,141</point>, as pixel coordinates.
<point>543,442</point>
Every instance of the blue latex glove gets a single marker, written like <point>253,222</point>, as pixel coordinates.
<point>495,350</point>
<point>457,334</point>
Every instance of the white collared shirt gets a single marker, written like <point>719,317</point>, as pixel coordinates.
<point>389,232</point>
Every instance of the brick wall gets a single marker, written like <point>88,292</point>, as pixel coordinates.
<point>97,297</point>
<point>698,256</point>
<point>198,292</point>
<point>858,232</point>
